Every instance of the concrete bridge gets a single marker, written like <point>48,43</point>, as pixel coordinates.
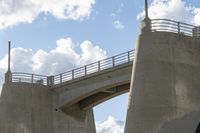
<point>102,80</point>
<point>162,75</point>
<point>64,98</point>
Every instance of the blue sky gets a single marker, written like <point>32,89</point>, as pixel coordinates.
<point>98,28</point>
<point>108,27</point>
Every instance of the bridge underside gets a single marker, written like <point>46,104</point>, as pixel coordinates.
<point>103,96</point>
<point>29,108</point>
<point>99,97</point>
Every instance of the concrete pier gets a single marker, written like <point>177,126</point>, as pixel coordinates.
<point>165,85</point>
<point>32,108</point>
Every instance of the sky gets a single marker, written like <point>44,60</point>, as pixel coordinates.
<point>51,36</point>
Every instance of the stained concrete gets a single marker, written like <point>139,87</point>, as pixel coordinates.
<point>32,108</point>
<point>165,94</point>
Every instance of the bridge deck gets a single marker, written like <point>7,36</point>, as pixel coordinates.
<point>157,25</point>
<point>77,73</point>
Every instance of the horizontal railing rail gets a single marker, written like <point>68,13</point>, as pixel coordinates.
<point>29,78</point>
<point>166,25</point>
<point>75,73</point>
<point>94,67</point>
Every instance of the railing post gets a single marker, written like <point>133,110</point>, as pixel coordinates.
<point>113,61</point>
<point>8,77</point>
<point>50,80</point>
<point>31,78</point>
<point>99,66</point>
<point>128,56</point>
<point>179,29</point>
<point>196,32</point>
<point>72,74</point>
<point>85,70</point>
<point>60,78</point>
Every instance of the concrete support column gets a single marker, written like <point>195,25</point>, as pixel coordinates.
<point>164,92</point>
<point>50,80</point>
<point>8,77</point>
<point>32,108</point>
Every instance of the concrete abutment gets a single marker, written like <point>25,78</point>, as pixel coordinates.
<point>164,95</point>
<point>32,108</point>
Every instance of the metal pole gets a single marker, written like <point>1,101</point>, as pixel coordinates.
<point>85,70</point>
<point>128,56</point>
<point>72,74</point>
<point>32,78</point>
<point>8,74</point>
<point>9,43</point>
<point>146,9</point>
<point>179,29</point>
<point>113,61</point>
<point>99,66</point>
<point>60,78</point>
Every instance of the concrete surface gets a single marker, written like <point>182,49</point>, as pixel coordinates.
<point>32,108</point>
<point>165,85</point>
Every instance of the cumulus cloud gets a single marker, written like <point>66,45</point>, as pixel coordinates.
<point>60,59</point>
<point>1,79</point>
<point>13,12</point>
<point>196,18</point>
<point>111,125</point>
<point>173,9</point>
<point>118,25</point>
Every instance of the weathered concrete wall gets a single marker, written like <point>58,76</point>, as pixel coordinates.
<point>165,87</point>
<point>29,108</point>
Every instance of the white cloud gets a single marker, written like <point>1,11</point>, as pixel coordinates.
<point>196,18</point>
<point>91,53</point>
<point>118,11</point>
<point>1,79</point>
<point>60,59</point>
<point>113,15</point>
<point>13,12</point>
<point>111,125</point>
<point>118,25</point>
<point>173,9</point>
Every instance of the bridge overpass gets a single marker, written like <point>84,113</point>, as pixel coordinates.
<point>66,97</point>
<point>89,85</point>
<point>162,75</point>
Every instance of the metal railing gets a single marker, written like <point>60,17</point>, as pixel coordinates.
<point>167,25</point>
<point>164,25</point>
<point>29,78</point>
<point>75,73</point>
<point>94,67</point>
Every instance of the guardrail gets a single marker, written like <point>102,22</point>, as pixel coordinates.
<point>164,25</point>
<point>167,25</point>
<point>75,73</point>
<point>29,78</point>
<point>94,67</point>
